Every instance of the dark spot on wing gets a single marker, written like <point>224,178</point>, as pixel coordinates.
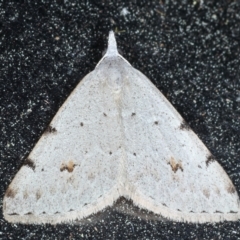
<point>165,205</point>
<point>110,153</point>
<point>218,212</point>
<point>29,213</point>
<point>233,212</point>
<point>56,212</point>
<point>175,165</point>
<point>231,189</point>
<point>133,114</point>
<point>50,129</point>
<point>134,154</point>
<point>206,193</point>
<point>69,166</point>
<point>38,194</point>
<point>210,159</point>
<point>29,163</point>
<point>81,124</point>
<point>184,126</point>
<point>10,193</point>
<point>156,122</point>
<point>13,214</point>
<point>105,115</point>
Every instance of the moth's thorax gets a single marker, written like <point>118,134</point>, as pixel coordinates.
<point>115,80</point>
<point>116,69</point>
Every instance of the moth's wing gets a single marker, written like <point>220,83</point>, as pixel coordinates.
<point>72,170</point>
<point>169,169</point>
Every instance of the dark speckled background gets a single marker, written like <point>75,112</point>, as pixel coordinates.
<point>189,49</point>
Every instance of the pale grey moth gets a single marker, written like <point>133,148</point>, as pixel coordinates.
<point>118,136</point>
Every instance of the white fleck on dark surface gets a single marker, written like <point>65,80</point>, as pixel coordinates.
<point>189,50</point>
